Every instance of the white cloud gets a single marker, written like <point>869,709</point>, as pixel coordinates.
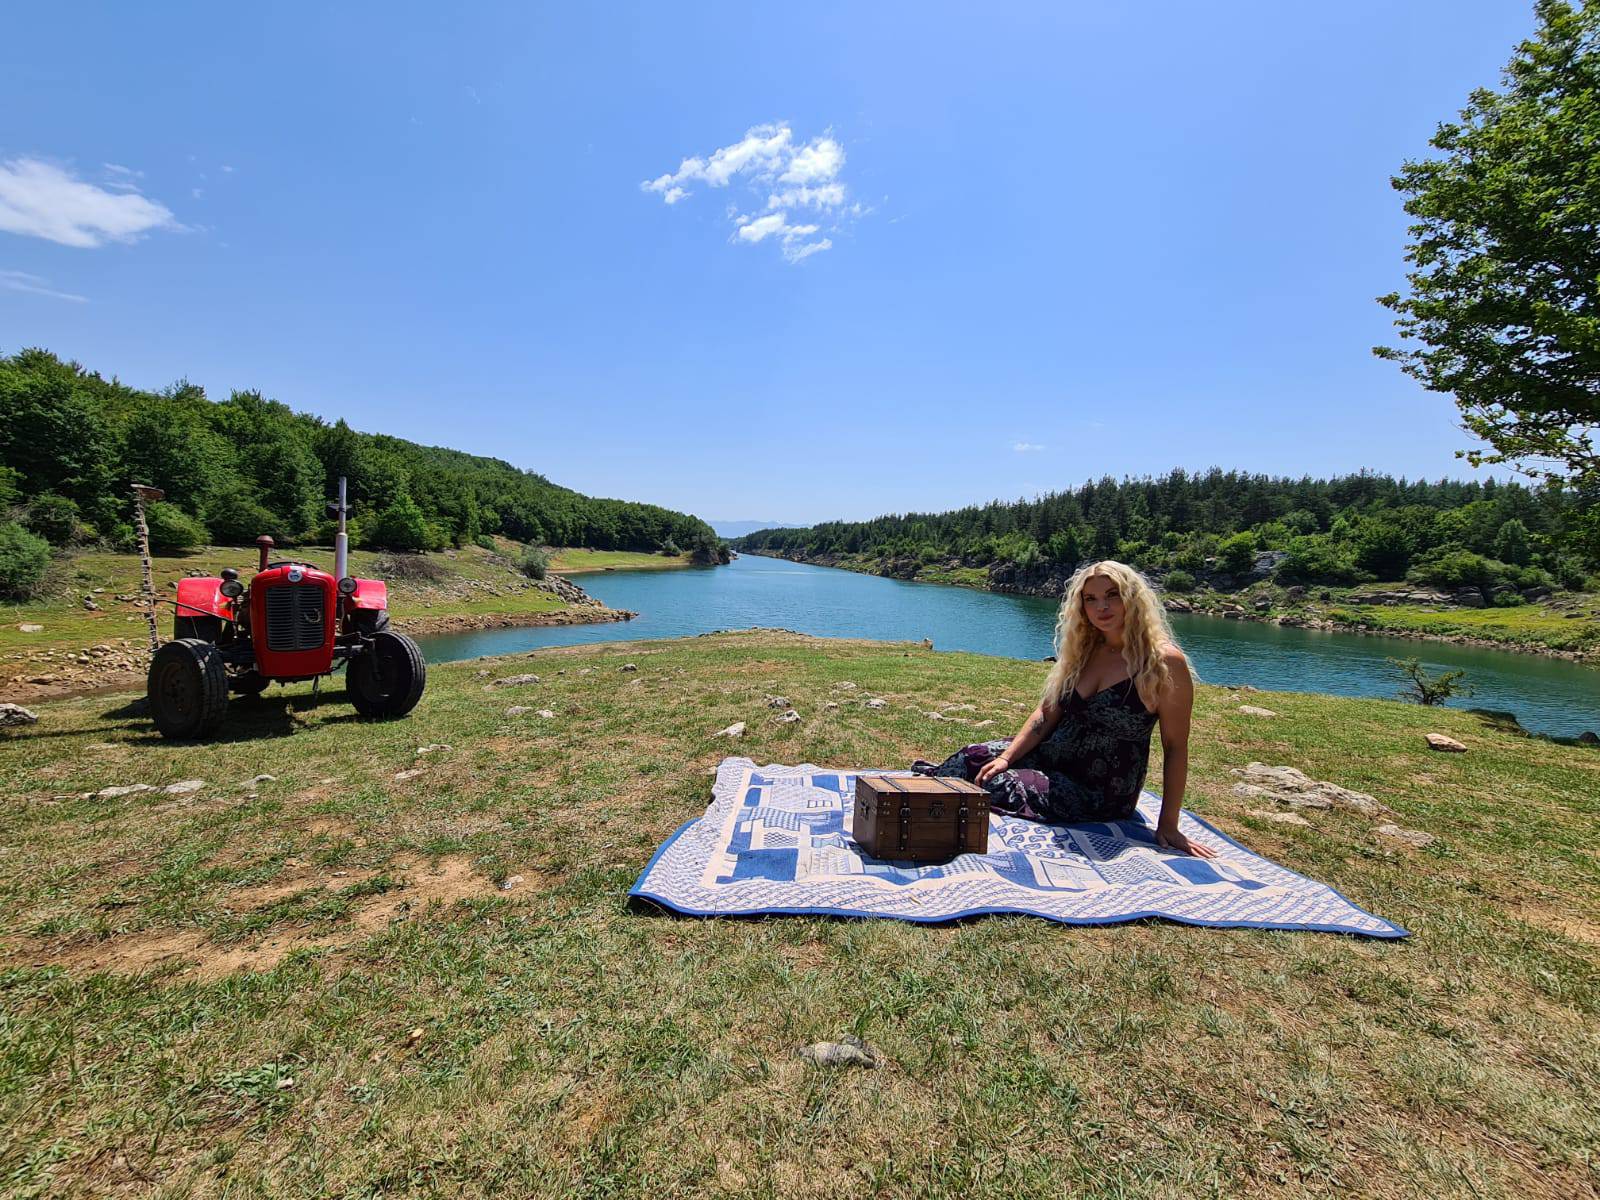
<point>830,195</point>
<point>1028,447</point>
<point>21,281</point>
<point>38,199</point>
<point>818,160</point>
<point>768,162</point>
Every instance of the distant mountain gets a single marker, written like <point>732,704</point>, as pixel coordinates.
<point>733,529</point>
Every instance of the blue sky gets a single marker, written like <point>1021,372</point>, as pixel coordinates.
<point>949,253</point>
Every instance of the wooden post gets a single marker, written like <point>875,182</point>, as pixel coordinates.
<point>141,493</point>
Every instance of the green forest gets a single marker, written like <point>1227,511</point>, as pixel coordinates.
<point>71,443</point>
<point>1183,526</point>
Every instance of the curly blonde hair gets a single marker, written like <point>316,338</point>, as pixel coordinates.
<point>1146,634</point>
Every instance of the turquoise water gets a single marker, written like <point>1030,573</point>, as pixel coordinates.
<point>1548,695</point>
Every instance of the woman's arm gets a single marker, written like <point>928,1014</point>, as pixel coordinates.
<point>1034,730</point>
<point>1175,711</point>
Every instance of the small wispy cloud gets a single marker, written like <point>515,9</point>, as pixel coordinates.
<point>1028,447</point>
<point>21,281</point>
<point>40,199</point>
<point>776,174</point>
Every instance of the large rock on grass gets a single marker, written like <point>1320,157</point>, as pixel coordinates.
<point>1285,785</point>
<point>13,715</point>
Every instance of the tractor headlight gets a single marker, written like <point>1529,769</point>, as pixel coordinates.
<point>347,586</point>
<point>232,589</point>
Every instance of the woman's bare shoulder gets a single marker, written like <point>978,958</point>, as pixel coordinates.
<point>1175,659</point>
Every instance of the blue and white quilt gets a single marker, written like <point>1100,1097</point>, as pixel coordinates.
<point>777,840</point>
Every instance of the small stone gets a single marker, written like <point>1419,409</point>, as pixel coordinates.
<point>950,708</point>
<point>778,702</point>
<point>830,704</point>
<point>848,1051</point>
<point>286,1084</point>
<point>875,702</point>
<point>1282,818</point>
<point>416,1035</point>
<point>844,686</point>
<point>628,667</point>
<point>184,787</point>
<point>257,780</point>
<point>12,715</point>
<point>1438,741</point>
<point>935,716</point>
<point>483,674</point>
<point>116,793</point>
<point>736,730</point>
<point>509,882</point>
<point>982,724</point>
<point>1415,839</point>
<point>546,713</point>
<point>788,718</point>
<point>927,643</point>
<point>516,710</point>
<point>1251,710</point>
<point>515,680</point>
<point>30,627</point>
<point>402,776</point>
<point>434,748</point>
<point>89,605</point>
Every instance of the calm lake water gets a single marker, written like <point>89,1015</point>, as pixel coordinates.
<point>1548,695</point>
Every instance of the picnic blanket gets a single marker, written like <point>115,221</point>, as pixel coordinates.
<point>777,839</point>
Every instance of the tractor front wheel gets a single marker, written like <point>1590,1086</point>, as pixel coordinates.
<point>387,680</point>
<point>187,689</point>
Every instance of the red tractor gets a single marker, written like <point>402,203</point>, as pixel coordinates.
<point>292,623</point>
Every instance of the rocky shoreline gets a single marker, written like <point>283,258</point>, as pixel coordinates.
<point>1049,582</point>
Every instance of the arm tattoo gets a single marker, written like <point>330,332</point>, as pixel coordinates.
<point>1036,723</point>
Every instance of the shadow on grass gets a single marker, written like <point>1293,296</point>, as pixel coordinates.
<point>249,718</point>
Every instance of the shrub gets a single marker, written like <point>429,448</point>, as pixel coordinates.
<point>173,529</point>
<point>1179,581</point>
<point>413,568</point>
<point>670,548</point>
<point>1429,689</point>
<point>1451,566</point>
<point>54,518</point>
<point>1318,558</point>
<point>24,558</point>
<point>236,518</point>
<point>1237,554</point>
<point>534,562</point>
<point>402,526</point>
<point>484,542</point>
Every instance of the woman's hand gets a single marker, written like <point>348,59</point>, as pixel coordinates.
<point>992,768</point>
<point>1171,839</point>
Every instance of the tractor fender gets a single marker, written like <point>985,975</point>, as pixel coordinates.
<point>370,593</point>
<point>197,597</point>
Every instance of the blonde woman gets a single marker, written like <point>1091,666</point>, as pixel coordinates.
<point>1082,754</point>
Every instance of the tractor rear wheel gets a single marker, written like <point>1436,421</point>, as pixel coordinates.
<point>386,680</point>
<point>187,689</point>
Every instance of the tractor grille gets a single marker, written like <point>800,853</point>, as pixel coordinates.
<point>294,618</point>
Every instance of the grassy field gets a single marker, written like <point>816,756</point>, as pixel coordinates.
<point>1576,629</point>
<point>572,561</point>
<point>355,980</point>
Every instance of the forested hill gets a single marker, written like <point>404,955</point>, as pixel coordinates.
<point>1335,531</point>
<point>71,442</point>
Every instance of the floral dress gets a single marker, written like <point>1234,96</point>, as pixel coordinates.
<point>1091,767</point>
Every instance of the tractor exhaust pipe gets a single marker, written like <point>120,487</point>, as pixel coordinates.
<point>265,543</point>
<point>341,540</point>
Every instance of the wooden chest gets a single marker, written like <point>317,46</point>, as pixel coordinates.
<point>919,818</point>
